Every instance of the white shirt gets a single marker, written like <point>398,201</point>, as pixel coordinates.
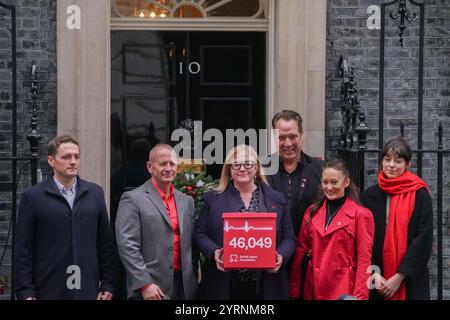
<point>69,194</point>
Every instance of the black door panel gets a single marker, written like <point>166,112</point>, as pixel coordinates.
<point>159,78</point>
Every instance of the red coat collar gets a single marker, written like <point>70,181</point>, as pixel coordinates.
<point>344,217</point>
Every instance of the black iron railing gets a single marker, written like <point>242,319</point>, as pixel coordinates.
<point>33,137</point>
<point>355,158</point>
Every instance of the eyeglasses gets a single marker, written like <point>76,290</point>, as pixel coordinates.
<point>247,165</point>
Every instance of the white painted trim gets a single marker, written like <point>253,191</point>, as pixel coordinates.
<point>217,5</point>
<point>194,24</point>
<point>176,7</point>
<point>157,4</point>
<point>270,70</point>
<point>83,85</point>
<point>108,112</point>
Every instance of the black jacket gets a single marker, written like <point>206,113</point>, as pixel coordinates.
<point>311,174</point>
<point>420,238</point>
<point>50,237</point>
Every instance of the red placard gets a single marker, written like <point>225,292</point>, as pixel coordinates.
<point>249,240</point>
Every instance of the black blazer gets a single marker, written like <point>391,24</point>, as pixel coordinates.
<point>50,237</point>
<point>312,174</point>
<point>420,238</point>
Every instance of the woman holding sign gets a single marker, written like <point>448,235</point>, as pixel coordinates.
<point>242,188</point>
<point>334,243</point>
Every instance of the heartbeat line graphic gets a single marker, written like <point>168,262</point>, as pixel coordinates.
<point>246,227</point>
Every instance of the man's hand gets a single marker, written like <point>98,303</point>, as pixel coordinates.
<point>152,292</point>
<point>218,257</point>
<point>105,295</point>
<point>278,264</point>
<point>390,287</point>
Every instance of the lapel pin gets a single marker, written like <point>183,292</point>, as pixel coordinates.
<point>339,223</point>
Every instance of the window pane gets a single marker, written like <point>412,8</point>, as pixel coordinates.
<point>188,8</point>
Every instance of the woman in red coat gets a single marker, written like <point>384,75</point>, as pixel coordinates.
<point>336,236</point>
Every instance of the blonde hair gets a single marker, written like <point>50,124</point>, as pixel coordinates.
<point>225,176</point>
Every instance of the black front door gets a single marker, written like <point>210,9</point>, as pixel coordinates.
<point>159,78</point>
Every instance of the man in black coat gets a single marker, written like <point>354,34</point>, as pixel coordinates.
<point>299,174</point>
<point>63,244</point>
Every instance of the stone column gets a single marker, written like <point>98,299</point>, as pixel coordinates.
<point>300,50</point>
<point>83,61</point>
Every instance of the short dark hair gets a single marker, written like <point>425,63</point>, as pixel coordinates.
<point>53,145</point>
<point>397,147</point>
<point>287,115</point>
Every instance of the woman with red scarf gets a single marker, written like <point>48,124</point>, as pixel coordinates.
<point>403,215</point>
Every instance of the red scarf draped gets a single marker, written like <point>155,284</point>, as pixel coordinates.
<point>403,195</point>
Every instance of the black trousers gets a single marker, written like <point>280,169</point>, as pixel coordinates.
<point>244,285</point>
<point>178,289</point>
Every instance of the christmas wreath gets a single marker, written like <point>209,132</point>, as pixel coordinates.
<point>195,185</point>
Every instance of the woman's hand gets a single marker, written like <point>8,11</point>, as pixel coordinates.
<point>278,264</point>
<point>390,287</point>
<point>218,257</point>
<point>105,295</point>
<point>378,281</point>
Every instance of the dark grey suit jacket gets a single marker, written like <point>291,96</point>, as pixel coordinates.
<point>145,241</point>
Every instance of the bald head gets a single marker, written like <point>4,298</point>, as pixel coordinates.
<point>154,153</point>
<point>162,165</point>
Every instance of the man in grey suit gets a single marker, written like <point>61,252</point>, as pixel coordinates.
<point>154,230</point>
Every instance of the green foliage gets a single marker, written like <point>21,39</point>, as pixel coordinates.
<point>195,185</point>
<point>3,284</point>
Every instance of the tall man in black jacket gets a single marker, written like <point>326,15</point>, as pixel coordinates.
<point>63,245</point>
<point>299,174</point>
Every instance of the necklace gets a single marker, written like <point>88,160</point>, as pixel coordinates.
<point>329,215</point>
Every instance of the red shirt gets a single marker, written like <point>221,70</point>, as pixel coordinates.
<point>169,202</point>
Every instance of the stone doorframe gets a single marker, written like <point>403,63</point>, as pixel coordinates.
<point>295,75</point>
